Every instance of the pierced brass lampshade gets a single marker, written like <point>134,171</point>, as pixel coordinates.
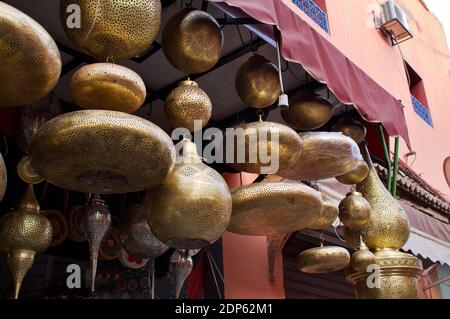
<point>30,62</point>
<point>191,208</point>
<point>107,86</point>
<point>362,258</point>
<point>95,221</point>
<point>258,82</point>
<point>323,259</point>
<point>264,209</point>
<point>192,41</point>
<point>186,104</point>
<point>354,210</point>
<point>323,155</point>
<point>351,128</point>
<point>103,152</point>
<point>110,28</point>
<point>3,178</point>
<point>307,111</point>
<point>328,216</point>
<point>181,265</point>
<point>27,173</point>
<point>356,175</point>
<point>24,233</point>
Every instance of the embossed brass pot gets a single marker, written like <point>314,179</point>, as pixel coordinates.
<point>258,82</point>
<point>323,259</point>
<point>323,155</point>
<point>264,147</point>
<point>102,152</point>
<point>356,175</point>
<point>351,128</point>
<point>24,233</point>
<point>264,209</point>
<point>3,178</point>
<point>354,210</point>
<point>191,208</point>
<point>30,62</point>
<point>307,111</point>
<point>110,28</point>
<point>398,277</point>
<point>107,86</point>
<point>187,103</point>
<point>192,41</point>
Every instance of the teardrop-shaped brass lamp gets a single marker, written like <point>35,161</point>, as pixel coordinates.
<point>30,61</point>
<point>180,267</point>
<point>354,210</point>
<point>258,82</point>
<point>110,28</point>
<point>388,225</point>
<point>362,258</point>
<point>95,221</point>
<point>352,128</point>
<point>328,216</point>
<point>323,259</point>
<point>356,175</point>
<point>107,86</point>
<point>263,147</point>
<point>24,233</point>
<point>3,178</point>
<point>307,111</point>
<point>192,41</point>
<point>188,103</point>
<point>199,209</point>
<point>323,155</point>
<point>264,209</point>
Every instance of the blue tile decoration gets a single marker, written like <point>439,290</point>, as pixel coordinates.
<point>422,111</point>
<point>314,12</point>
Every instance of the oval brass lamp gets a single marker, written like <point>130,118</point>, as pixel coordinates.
<point>107,86</point>
<point>323,259</point>
<point>103,152</point>
<point>110,28</point>
<point>30,61</point>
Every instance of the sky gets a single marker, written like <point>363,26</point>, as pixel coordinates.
<point>441,8</point>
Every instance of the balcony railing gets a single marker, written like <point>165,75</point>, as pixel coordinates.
<point>314,12</point>
<point>422,111</point>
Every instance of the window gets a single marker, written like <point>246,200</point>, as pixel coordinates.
<point>316,10</point>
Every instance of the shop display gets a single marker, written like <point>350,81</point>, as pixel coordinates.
<point>264,209</point>
<point>323,259</point>
<point>180,267</point>
<point>192,41</point>
<point>362,257</point>
<point>27,173</point>
<point>3,178</point>
<point>199,209</point>
<point>59,226</point>
<point>323,155</point>
<point>356,175</point>
<point>258,83</point>
<point>107,86</point>
<point>354,211</point>
<point>24,233</point>
<point>102,149</point>
<point>112,29</point>
<point>188,103</point>
<point>352,128</point>
<point>30,61</point>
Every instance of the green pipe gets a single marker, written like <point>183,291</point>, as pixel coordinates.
<point>386,156</point>
<point>394,179</point>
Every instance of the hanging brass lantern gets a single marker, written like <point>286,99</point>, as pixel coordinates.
<point>323,155</point>
<point>388,225</point>
<point>258,82</point>
<point>31,64</point>
<point>264,209</point>
<point>3,178</point>
<point>95,221</point>
<point>328,216</point>
<point>24,233</point>
<point>356,175</point>
<point>180,267</point>
<point>264,147</point>
<point>351,128</point>
<point>188,103</point>
<point>104,152</point>
<point>137,237</point>
<point>307,111</point>
<point>110,28</point>
<point>107,86</point>
<point>199,209</point>
<point>192,41</point>
<point>27,173</point>
<point>323,259</point>
<point>354,211</point>
<point>59,226</point>
<point>362,258</point>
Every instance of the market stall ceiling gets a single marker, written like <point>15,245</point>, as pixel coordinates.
<point>156,71</point>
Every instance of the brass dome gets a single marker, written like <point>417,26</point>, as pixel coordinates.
<point>30,62</point>
<point>323,259</point>
<point>354,210</point>
<point>192,41</point>
<point>356,175</point>
<point>109,28</point>
<point>264,209</point>
<point>307,111</point>
<point>102,152</point>
<point>3,178</point>
<point>107,86</point>
<point>187,103</point>
<point>191,208</point>
<point>323,155</point>
<point>258,82</point>
<point>351,128</point>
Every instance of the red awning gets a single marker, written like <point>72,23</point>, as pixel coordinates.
<point>327,64</point>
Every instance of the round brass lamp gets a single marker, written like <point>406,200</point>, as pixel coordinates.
<point>323,259</point>
<point>354,210</point>
<point>30,62</point>
<point>351,128</point>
